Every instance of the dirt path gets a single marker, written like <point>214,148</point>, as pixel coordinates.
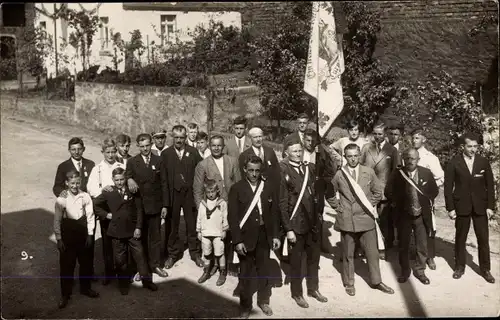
<point>31,151</point>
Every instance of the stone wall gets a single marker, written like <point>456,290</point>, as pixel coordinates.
<point>136,109</point>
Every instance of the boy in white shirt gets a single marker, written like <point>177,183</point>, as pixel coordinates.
<point>211,227</point>
<point>74,225</point>
<point>202,145</point>
<point>100,178</point>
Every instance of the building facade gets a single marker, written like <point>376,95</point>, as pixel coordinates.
<point>161,25</point>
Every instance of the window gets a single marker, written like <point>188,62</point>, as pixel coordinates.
<point>168,27</point>
<point>43,25</point>
<point>104,30</point>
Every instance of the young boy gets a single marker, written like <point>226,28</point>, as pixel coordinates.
<point>192,132</point>
<point>202,145</point>
<point>125,227</point>
<point>101,178</point>
<point>123,145</point>
<point>211,227</point>
<point>74,225</point>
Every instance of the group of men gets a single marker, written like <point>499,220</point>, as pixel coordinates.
<point>379,188</point>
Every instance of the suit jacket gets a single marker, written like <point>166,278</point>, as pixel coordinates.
<point>382,163</point>
<point>270,168</point>
<point>231,148</point>
<point>351,216</point>
<point>306,217</point>
<point>326,167</point>
<point>465,192</point>
<point>398,190</point>
<point>292,136</point>
<point>189,161</point>
<point>240,197</point>
<point>207,169</point>
<point>152,182</point>
<point>127,212</point>
<point>64,168</point>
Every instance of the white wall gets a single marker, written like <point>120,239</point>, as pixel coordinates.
<point>125,21</point>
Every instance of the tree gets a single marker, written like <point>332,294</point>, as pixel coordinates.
<point>85,24</point>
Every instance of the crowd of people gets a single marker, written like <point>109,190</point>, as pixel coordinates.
<point>242,206</point>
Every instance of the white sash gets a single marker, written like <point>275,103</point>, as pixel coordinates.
<point>255,199</point>
<point>412,183</point>
<point>359,193</point>
<point>299,200</point>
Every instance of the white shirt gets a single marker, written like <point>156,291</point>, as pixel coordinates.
<point>412,174</point>
<point>309,156</point>
<point>75,206</point>
<point>77,164</point>
<point>431,162</point>
<point>122,159</point>
<point>259,204</point>
<point>191,143</point>
<point>301,136</point>
<point>180,153</point>
<point>396,146</point>
<point>205,154</point>
<point>220,165</point>
<point>102,175</point>
<point>242,141</point>
<point>158,150</point>
<point>356,169</point>
<point>259,152</point>
<point>469,162</point>
<point>146,158</point>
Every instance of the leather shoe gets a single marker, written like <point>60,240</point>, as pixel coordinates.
<point>423,278</point>
<point>169,263</point>
<point>350,290</point>
<point>266,309</point>
<point>487,276</point>
<point>458,273</point>
<point>63,302</point>
<point>90,293</point>
<point>149,285</point>
<point>317,295</point>
<point>403,279</point>
<point>160,272</point>
<point>431,263</point>
<point>245,313</point>
<point>199,262</point>
<point>301,302</point>
<point>384,288</point>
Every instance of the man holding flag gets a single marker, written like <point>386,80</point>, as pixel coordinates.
<point>301,221</point>
<point>360,191</point>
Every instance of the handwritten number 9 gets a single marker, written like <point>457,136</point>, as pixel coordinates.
<point>24,255</point>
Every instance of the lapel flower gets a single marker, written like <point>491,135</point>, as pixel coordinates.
<point>287,178</point>
<point>187,154</point>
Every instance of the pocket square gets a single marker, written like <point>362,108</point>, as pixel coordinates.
<point>482,171</point>
<point>424,183</point>
<point>477,175</point>
<point>388,157</point>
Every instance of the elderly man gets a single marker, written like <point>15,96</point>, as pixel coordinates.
<point>412,191</point>
<point>270,167</point>
<point>431,162</point>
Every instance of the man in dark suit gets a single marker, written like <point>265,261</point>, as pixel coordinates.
<point>254,239</point>
<point>356,218</point>
<point>146,173</point>
<point>395,138</point>
<point>414,209</point>
<point>75,162</point>
<point>124,229</point>
<point>270,167</point>
<point>469,192</point>
<point>383,158</point>
<point>301,222</point>
<point>84,167</point>
<point>239,142</point>
<point>302,123</point>
<point>180,161</point>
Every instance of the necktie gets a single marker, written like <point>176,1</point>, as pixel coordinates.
<point>414,177</point>
<point>179,154</point>
<point>80,170</point>
<point>353,174</point>
<point>260,154</point>
<point>239,145</point>
<point>379,147</point>
<point>147,161</point>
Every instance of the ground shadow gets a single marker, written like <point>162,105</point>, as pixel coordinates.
<point>446,250</point>
<point>30,286</point>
